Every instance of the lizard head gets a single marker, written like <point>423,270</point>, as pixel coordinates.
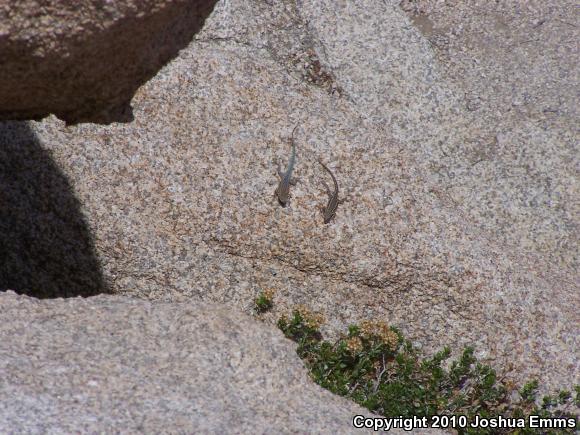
<point>283,193</point>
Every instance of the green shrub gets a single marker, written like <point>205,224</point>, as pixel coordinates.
<point>374,365</point>
<point>264,301</point>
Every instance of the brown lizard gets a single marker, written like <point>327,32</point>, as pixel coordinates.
<point>330,210</point>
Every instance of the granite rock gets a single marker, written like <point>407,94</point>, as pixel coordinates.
<point>110,363</point>
<point>46,246</point>
<point>460,219</point>
<point>84,60</point>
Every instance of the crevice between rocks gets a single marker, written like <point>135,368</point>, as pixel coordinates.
<point>46,247</point>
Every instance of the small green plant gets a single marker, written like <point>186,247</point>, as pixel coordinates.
<point>264,301</point>
<point>302,327</point>
<point>374,365</point>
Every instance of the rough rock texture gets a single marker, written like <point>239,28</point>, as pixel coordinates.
<point>46,247</point>
<point>460,221</point>
<point>108,364</point>
<point>84,60</point>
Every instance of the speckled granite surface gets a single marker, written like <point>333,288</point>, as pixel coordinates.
<point>84,60</point>
<point>111,364</point>
<point>460,221</point>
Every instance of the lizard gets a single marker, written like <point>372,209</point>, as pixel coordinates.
<point>330,210</point>
<point>283,190</point>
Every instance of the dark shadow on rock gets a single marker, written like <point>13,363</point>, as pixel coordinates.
<point>46,249</point>
<point>103,67</point>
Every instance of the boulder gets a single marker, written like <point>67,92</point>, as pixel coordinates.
<point>84,60</point>
<point>111,363</point>
<point>459,224</point>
